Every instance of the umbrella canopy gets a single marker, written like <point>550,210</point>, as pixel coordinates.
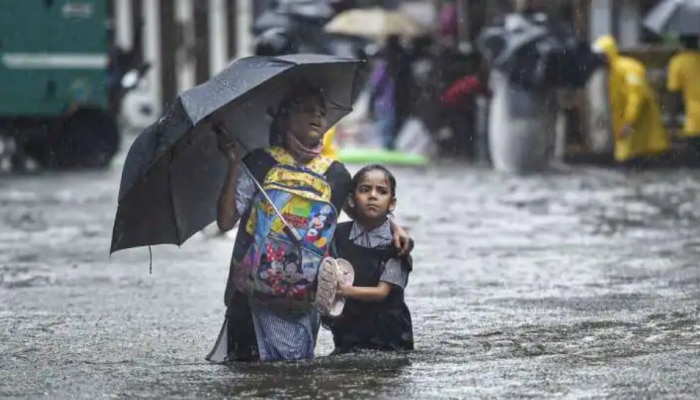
<point>538,54</point>
<point>309,9</point>
<point>674,17</point>
<point>295,15</point>
<point>501,44</point>
<point>272,19</point>
<point>374,23</point>
<point>173,171</point>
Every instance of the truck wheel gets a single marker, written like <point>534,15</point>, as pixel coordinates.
<point>89,138</point>
<point>38,150</point>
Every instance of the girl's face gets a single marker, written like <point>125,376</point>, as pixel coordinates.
<point>372,199</point>
<point>307,121</point>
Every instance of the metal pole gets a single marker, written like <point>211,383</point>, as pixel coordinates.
<point>186,68</point>
<point>232,31</point>
<point>218,36</point>
<point>168,53</point>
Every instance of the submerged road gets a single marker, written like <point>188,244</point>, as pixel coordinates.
<point>577,284</point>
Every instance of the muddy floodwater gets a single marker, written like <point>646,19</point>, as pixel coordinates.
<point>582,283</point>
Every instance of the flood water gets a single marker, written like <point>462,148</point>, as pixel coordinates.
<point>582,283</point>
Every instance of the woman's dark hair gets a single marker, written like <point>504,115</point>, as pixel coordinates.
<point>295,96</point>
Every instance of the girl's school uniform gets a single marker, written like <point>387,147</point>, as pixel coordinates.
<point>384,325</point>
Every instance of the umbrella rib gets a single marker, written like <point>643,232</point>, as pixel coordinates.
<point>338,106</point>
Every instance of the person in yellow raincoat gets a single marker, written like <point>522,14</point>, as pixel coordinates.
<point>684,82</point>
<point>636,119</point>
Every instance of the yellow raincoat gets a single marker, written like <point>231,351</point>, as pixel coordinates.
<point>683,77</point>
<point>632,102</point>
<point>329,149</point>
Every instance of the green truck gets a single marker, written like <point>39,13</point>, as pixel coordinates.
<point>58,99</point>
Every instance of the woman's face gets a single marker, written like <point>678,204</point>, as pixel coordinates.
<point>307,121</point>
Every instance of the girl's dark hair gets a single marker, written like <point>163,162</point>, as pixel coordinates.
<point>374,167</point>
<point>360,175</point>
<point>294,96</point>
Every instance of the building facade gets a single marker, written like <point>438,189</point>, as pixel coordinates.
<point>185,41</point>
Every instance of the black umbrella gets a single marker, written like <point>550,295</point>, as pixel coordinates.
<point>517,40</point>
<point>308,9</point>
<point>538,53</point>
<point>501,43</point>
<point>516,52</point>
<point>294,15</point>
<point>574,66</point>
<point>273,19</point>
<point>674,17</point>
<point>173,171</point>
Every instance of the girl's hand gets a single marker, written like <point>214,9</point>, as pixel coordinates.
<point>364,293</point>
<point>342,290</point>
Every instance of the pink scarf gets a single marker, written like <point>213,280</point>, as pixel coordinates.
<point>302,153</point>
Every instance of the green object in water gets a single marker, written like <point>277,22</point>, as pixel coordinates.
<point>368,156</point>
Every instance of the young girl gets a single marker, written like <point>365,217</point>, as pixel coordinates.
<point>375,316</point>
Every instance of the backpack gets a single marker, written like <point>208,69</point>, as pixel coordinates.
<point>275,270</point>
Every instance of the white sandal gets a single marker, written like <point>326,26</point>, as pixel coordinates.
<point>346,276</point>
<point>327,286</point>
<point>332,271</point>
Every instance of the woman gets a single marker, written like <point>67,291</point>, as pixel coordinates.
<point>272,276</point>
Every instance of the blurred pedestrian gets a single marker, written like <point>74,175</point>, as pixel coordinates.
<point>684,84</point>
<point>637,127</point>
<point>390,86</point>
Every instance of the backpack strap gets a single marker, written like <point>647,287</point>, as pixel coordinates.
<point>259,162</point>
<point>319,165</point>
<point>281,155</point>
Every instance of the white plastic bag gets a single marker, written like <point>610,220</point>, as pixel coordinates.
<point>414,138</point>
<point>360,110</point>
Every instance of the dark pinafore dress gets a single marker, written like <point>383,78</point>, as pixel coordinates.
<point>384,325</point>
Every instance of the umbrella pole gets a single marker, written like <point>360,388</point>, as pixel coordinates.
<point>291,232</point>
<point>288,229</point>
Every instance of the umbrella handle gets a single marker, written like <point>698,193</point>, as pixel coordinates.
<point>221,130</point>
<point>292,233</point>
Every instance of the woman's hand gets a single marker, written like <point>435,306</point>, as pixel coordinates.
<point>227,215</point>
<point>402,241</point>
<point>227,147</point>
